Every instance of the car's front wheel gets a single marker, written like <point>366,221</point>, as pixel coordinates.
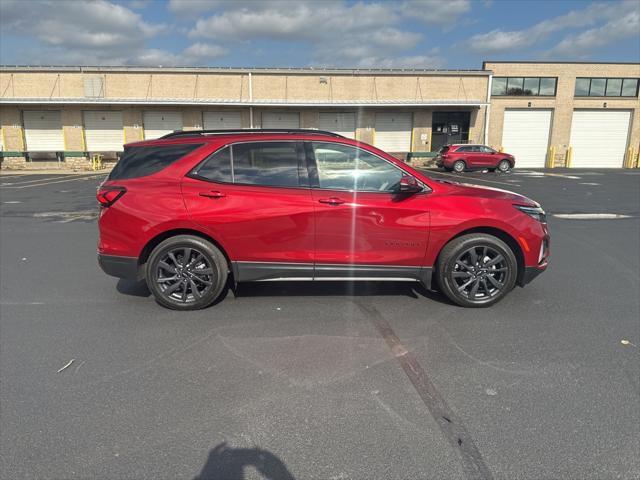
<point>459,166</point>
<point>476,270</point>
<point>504,166</point>
<point>186,272</point>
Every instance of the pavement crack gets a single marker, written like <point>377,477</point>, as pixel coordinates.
<point>452,428</point>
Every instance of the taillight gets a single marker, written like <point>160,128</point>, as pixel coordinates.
<point>107,196</point>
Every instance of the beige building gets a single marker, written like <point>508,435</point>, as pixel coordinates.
<point>567,114</point>
<point>536,111</point>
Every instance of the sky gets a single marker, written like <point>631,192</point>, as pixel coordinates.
<point>455,34</point>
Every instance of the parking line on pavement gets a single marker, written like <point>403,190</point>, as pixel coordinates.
<point>76,177</point>
<point>466,180</point>
<point>35,180</point>
<point>451,426</point>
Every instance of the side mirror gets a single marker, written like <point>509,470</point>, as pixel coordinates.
<point>409,184</point>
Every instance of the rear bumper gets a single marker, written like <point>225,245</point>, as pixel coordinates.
<point>121,267</point>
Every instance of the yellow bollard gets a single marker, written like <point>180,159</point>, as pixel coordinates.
<point>96,161</point>
<point>569,156</point>
<point>551,158</point>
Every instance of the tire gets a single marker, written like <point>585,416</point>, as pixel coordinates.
<point>459,166</point>
<point>488,282</point>
<point>193,285</point>
<point>504,166</point>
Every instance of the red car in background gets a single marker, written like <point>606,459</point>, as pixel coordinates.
<point>196,211</point>
<point>473,157</point>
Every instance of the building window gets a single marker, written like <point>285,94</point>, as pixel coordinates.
<point>606,87</point>
<point>524,86</point>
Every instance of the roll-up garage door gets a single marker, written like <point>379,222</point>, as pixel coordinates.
<point>525,135</point>
<point>103,131</point>
<point>599,138</point>
<point>341,123</point>
<point>43,131</point>
<point>280,120</point>
<point>221,120</point>
<point>393,132</point>
<point>157,124</point>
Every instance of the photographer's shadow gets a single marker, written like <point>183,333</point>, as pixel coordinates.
<point>226,463</point>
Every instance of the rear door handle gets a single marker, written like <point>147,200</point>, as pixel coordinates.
<point>212,194</point>
<point>332,201</point>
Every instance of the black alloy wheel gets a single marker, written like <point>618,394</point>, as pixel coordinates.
<point>476,270</point>
<point>186,273</point>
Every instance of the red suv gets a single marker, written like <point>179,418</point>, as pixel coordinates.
<point>472,157</point>
<point>196,211</point>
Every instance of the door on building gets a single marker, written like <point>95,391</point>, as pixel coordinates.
<point>43,131</point>
<point>599,138</point>
<point>103,131</point>
<point>525,135</point>
<point>281,120</point>
<point>393,131</point>
<point>221,120</point>
<point>341,123</point>
<point>448,128</point>
<point>157,124</point>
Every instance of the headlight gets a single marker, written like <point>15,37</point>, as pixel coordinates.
<point>533,212</point>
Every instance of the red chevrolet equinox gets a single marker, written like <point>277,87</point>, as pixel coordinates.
<point>196,211</point>
<point>473,157</point>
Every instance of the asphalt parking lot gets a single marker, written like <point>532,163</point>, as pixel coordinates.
<point>312,381</point>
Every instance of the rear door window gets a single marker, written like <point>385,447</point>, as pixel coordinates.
<point>143,161</point>
<point>275,164</point>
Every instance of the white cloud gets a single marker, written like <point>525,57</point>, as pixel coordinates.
<point>204,51</point>
<point>435,11</point>
<point>582,44</point>
<point>337,32</point>
<point>91,32</point>
<point>501,41</point>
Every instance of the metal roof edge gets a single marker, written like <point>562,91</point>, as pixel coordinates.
<point>223,102</point>
<point>241,70</point>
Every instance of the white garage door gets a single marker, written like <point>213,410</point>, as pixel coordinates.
<point>599,139</point>
<point>280,120</point>
<point>157,124</point>
<point>393,132</point>
<point>43,131</point>
<point>221,120</point>
<point>103,131</point>
<point>341,123</point>
<point>525,135</point>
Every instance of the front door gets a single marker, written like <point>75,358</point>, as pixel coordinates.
<point>254,199</point>
<point>364,227</point>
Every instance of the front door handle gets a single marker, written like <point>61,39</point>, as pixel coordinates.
<point>212,194</point>
<point>332,201</point>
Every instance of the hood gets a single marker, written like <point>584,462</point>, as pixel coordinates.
<point>470,190</point>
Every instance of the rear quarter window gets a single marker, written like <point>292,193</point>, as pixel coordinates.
<point>139,162</point>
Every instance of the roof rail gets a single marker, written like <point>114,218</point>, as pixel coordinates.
<point>193,133</point>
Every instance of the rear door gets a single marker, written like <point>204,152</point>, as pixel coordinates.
<point>254,198</point>
<point>364,228</point>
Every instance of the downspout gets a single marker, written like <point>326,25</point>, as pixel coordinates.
<point>250,100</point>
<point>487,110</point>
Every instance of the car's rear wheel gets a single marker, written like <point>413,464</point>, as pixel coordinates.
<point>504,166</point>
<point>459,166</point>
<point>476,270</point>
<point>186,272</point>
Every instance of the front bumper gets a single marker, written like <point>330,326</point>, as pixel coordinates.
<point>121,267</point>
<point>530,273</point>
